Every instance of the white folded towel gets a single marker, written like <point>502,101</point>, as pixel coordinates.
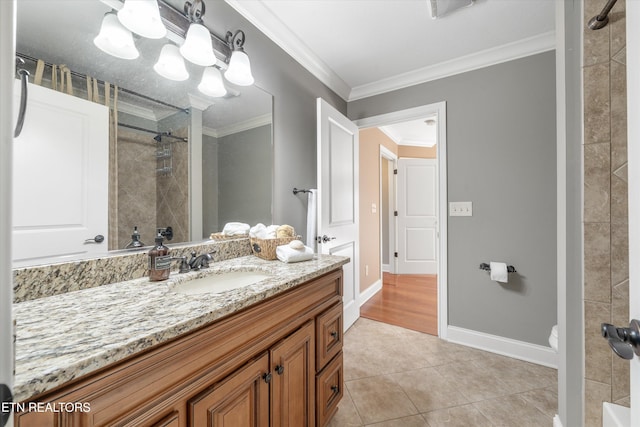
<point>260,231</point>
<point>236,229</point>
<point>286,253</point>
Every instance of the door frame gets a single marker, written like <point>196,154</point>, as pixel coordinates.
<point>439,108</point>
<point>386,154</point>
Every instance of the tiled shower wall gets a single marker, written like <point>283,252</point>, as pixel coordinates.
<point>606,253</point>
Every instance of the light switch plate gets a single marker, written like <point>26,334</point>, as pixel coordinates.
<point>460,209</point>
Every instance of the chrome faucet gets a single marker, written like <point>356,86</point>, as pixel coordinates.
<point>200,261</point>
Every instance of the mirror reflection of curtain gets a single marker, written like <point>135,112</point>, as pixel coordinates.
<point>61,80</point>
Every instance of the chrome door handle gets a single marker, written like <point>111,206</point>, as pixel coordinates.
<point>98,239</point>
<point>325,238</point>
<point>625,342</point>
<point>24,74</point>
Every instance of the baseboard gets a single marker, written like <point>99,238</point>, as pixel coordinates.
<point>533,353</point>
<point>556,421</point>
<point>369,292</point>
<point>386,268</point>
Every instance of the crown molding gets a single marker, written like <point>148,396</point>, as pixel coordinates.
<point>484,58</point>
<point>248,124</point>
<point>261,16</point>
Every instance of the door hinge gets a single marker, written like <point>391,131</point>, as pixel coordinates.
<point>395,213</point>
<point>395,254</point>
<point>395,171</point>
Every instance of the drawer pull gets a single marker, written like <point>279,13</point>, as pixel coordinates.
<point>267,377</point>
<point>334,334</point>
<point>279,369</point>
<point>335,388</point>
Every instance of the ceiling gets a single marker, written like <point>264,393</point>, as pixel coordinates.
<point>361,48</point>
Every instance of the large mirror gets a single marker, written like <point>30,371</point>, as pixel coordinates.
<point>153,175</point>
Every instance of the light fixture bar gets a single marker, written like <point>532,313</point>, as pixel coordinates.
<point>178,24</point>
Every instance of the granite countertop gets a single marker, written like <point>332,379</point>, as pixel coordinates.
<point>63,337</point>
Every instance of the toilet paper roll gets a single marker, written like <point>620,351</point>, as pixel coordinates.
<point>499,272</point>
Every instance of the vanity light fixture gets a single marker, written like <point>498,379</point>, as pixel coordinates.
<point>197,47</point>
<point>239,71</point>
<point>115,39</point>
<point>143,18</point>
<point>170,64</point>
<point>211,84</point>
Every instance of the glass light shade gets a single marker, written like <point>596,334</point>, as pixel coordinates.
<point>239,71</point>
<point>211,83</point>
<point>170,64</point>
<point>197,46</point>
<point>115,39</point>
<point>143,18</point>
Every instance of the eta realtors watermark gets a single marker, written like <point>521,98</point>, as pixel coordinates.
<point>46,407</point>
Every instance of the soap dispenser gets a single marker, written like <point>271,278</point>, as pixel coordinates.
<point>159,261</point>
<point>135,240</point>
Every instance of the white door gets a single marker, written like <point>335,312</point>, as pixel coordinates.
<point>417,216</point>
<point>67,137</point>
<point>633,146</point>
<point>338,199</point>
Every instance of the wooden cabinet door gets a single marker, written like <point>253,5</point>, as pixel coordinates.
<point>242,399</point>
<point>292,392</point>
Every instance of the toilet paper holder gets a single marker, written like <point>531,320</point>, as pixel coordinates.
<point>510,268</point>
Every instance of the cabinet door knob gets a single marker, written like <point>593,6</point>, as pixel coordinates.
<point>334,334</point>
<point>98,239</point>
<point>280,369</point>
<point>335,388</point>
<point>267,377</point>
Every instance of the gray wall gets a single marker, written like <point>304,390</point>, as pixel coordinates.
<point>209,185</point>
<point>294,92</point>
<point>501,155</point>
<point>244,193</point>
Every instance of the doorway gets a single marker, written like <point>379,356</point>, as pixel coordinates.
<point>418,293</point>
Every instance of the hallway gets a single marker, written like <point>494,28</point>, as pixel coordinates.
<point>396,377</point>
<point>406,300</point>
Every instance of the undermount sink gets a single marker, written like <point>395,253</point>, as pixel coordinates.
<point>219,282</point>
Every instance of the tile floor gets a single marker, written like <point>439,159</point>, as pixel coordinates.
<point>396,377</point>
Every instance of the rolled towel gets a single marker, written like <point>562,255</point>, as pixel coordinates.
<point>236,229</point>
<point>288,253</point>
<point>271,232</point>
<point>285,231</point>
<point>257,230</point>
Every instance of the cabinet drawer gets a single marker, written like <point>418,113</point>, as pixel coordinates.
<point>328,335</point>
<point>329,390</point>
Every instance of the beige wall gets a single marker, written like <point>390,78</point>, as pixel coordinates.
<point>606,254</point>
<point>370,142</point>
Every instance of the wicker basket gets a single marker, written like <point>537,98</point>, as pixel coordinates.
<point>220,236</point>
<point>266,248</point>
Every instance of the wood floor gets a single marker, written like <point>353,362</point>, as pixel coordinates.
<point>406,300</point>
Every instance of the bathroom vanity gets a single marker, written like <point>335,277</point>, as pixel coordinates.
<point>137,353</point>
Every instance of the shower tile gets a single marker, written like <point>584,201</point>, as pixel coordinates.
<point>619,254</point>
<point>598,360</point>
<point>595,394</point>
<point>597,262</point>
<point>597,104</point>
<point>617,24</point>
<point>460,416</point>
<point>596,43</point>
<point>618,115</point>
<point>597,186</point>
<point>620,317</point>
<point>379,399</point>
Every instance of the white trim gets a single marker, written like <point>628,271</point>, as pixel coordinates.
<point>439,108</point>
<point>392,266</point>
<point>615,415</point>
<point>556,421</point>
<point>484,58</point>
<point>199,102</point>
<point>533,353</point>
<point>263,18</point>
<point>368,293</point>
<point>254,122</point>
<point>633,132</point>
